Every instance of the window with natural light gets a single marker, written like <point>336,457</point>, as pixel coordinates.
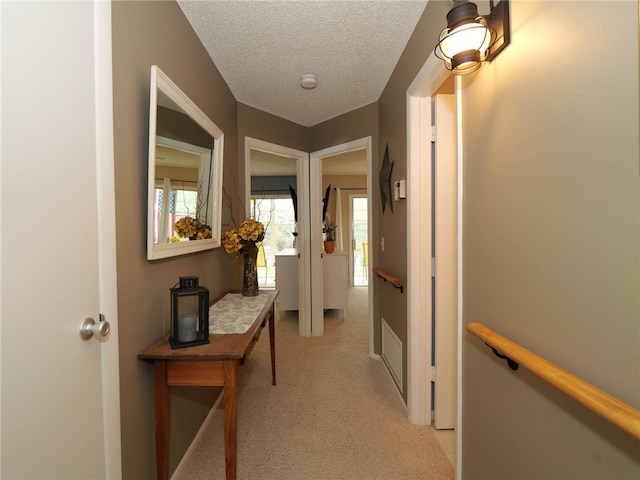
<point>277,215</point>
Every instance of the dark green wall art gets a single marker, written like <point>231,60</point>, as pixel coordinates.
<point>385,179</point>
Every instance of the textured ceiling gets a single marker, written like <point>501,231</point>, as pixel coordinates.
<point>262,48</point>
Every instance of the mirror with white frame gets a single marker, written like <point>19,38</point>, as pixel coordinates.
<point>185,173</point>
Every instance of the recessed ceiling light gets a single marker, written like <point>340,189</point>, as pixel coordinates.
<point>308,82</point>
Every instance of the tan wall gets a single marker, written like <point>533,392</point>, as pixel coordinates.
<point>269,128</point>
<point>551,240</point>
<point>354,125</point>
<point>140,39</point>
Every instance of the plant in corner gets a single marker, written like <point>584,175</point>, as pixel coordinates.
<point>329,232</point>
<point>244,240</point>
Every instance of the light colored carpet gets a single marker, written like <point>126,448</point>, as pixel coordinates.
<point>334,415</point>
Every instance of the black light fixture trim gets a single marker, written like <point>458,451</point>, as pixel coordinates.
<point>498,20</point>
<point>461,13</point>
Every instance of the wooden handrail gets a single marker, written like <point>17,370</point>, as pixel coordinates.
<point>395,281</point>
<point>608,407</point>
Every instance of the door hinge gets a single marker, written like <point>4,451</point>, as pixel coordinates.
<point>433,267</point>
<point>433,373</point>
<point>433,134</point>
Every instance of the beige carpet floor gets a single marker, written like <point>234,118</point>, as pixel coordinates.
<point>334,414</point>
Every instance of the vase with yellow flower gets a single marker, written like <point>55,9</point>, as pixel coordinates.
<point>244,240</point>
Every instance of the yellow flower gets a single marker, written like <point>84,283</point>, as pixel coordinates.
<point>188,227</point>
<point>204,232</point>
<point>251,229</point>
<point>244,238</point>
<point>231,242</point>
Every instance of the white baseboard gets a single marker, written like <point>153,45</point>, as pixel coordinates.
<point>196,439</point>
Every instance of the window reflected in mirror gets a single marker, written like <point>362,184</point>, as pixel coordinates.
<point>181,171</point>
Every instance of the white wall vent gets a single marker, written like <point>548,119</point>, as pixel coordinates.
<point>392,353</point>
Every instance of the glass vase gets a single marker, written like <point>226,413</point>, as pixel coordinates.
<point>250,276</point>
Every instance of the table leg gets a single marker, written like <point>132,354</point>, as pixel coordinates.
<point>272,343</point>
<point>230,417</point>
<point>162,417</point>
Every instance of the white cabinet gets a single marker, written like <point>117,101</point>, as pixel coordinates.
<point>287,279</point>
<point>334,286</point>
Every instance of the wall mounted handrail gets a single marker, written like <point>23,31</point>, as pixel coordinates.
<point>608,407</point>
<point>387,277</point>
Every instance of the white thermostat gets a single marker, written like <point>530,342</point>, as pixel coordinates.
<point>399,189</point>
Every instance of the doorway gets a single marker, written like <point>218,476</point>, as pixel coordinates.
<point>309,184</point>
<point>359,240</point>
<point>277,193</point>
<point>317,189</point>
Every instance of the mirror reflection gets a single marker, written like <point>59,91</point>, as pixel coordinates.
<point>185,174</point>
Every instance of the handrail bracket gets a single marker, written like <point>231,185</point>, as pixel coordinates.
<point>513,365</point>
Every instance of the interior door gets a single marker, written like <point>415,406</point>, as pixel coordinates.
<point>59,420</point>
<point>445,246</point>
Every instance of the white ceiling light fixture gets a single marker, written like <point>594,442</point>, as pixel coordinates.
<point>308,81</point>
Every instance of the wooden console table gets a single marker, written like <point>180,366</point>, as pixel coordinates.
<point>213,364</point>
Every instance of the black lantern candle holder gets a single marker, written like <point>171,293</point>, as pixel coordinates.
<point>189,313</point>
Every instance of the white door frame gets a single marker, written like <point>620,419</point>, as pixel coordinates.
<point>426,83</point>
<point>445,288</point>
<point>315,190</point>
<point>107,265</point>
<point>302,241</point>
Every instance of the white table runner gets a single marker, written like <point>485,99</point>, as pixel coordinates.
<point>235,313</point>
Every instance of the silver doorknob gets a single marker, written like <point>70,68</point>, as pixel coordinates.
<point>89,328</point>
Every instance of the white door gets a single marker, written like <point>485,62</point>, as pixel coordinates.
<point>445,246</point>
<point>60,397</point>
